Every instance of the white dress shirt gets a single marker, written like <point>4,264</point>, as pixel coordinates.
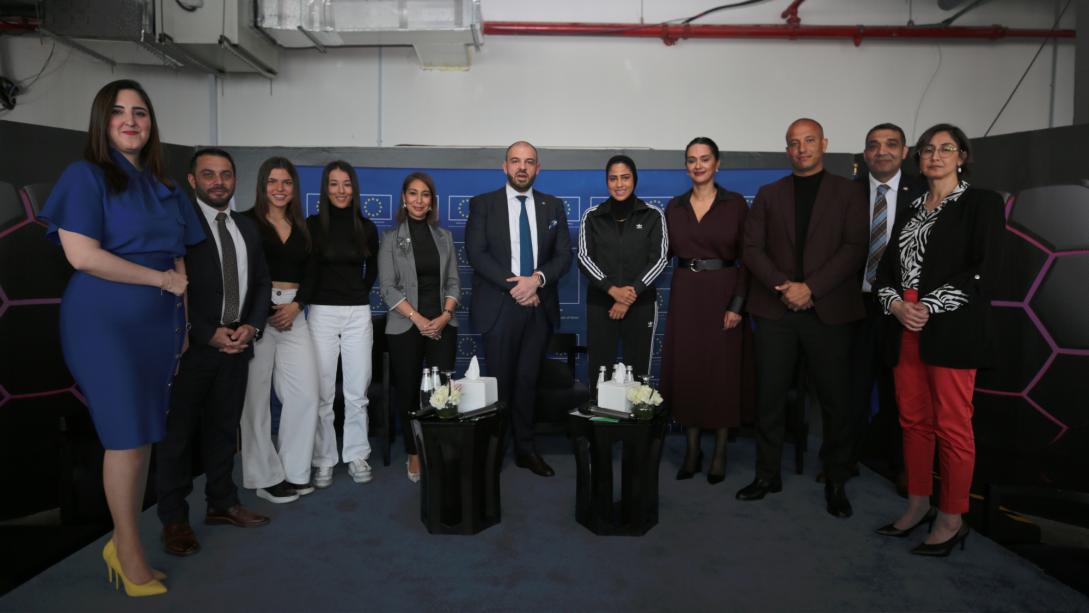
<point>514,210</point>
<point>890,212</point>
<point>210,213</point>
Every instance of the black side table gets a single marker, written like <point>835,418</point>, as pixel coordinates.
<point>641,451</point>
<point>459,466</point>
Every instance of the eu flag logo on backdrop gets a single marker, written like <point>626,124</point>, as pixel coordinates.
<point>462,255</point>
<point>311,207</point>
<point>571,205</point>
<point>377,207</point>
<point>457,209</point>
<point>468,346</point>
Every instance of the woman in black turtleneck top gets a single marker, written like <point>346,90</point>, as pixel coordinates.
<point>345,265</point>
<point>622,249</point>
<point>284,355</point>
<point>418,270</point>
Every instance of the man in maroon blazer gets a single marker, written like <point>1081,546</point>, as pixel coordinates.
<point>805,241</point>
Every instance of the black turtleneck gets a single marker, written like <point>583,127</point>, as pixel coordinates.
<point>344,277</point>
<point>805,194</point>
<point>426,256</point>
<point>621,210</point>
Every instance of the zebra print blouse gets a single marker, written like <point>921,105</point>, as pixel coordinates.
<point>913,239</point>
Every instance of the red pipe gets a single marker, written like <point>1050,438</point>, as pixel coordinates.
<point>20,24</point>
<point>671,33</point>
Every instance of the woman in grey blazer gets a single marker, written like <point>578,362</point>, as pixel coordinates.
<point>418,274</point>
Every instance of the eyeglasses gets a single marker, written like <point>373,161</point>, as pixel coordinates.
<point>944,151</point>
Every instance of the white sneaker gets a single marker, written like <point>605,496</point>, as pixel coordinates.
<point>360,471</point>
<point>323,476</point>
<point>279,493</point>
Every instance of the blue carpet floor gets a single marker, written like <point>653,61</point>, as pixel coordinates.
<point>362,548</point>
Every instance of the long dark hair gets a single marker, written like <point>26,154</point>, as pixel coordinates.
<point>97,150</point>
<point>362,248</point>
<point>294,207</point>
<point>432,215</point>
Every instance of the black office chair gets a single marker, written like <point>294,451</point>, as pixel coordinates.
<point>558,389</point>
<point>37,194</point>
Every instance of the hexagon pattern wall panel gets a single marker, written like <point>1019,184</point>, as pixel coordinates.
<point>1038,396</point>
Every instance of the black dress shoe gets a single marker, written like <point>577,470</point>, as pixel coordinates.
<point>684,473</point>
<point>836,496</point>
<point>892,530</point>
<point>535,463</point>
<point>943,549</point>
<point>759,488</point>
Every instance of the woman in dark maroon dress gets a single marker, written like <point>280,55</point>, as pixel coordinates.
<point>702,369</point>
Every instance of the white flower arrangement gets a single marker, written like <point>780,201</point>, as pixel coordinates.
<point>645,395</point>
<point>445,400</point>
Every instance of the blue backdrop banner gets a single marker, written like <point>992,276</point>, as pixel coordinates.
<point>380,195</point>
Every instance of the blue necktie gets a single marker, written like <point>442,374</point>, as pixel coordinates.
<point>525,241</point>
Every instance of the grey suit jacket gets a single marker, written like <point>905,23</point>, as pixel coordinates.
<point>397,273</point>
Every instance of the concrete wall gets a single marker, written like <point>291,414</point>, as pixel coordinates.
<point>597,92</point>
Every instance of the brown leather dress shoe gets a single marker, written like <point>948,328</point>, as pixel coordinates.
<point>237,515</point>
<point>179,540</point>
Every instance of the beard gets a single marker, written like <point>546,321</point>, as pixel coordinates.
<point>219,203</point>
<point>523,185</point>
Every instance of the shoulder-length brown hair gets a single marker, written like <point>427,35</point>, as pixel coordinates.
<point>294,207</point>
<point>432,215</point>
<point>362,248</point>
<point>97,150</point>
<point>958,136</point>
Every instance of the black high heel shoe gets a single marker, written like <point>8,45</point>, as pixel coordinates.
<point>713,477</point>
<point>893,531</point>
<point>683,473</point>
<point>941,550</point>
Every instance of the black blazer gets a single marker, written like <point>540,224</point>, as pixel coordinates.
<point>964,251</point>
<point>487,243</point>
<point>205,272</point>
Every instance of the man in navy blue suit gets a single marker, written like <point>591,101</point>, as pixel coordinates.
<point>518,245</point>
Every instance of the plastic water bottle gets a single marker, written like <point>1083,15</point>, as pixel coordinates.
<point>630,378</point>
<point>436,380</point>
<point>601,376</point>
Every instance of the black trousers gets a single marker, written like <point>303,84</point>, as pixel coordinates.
<point>514,348</point>
<point>408,352</point>
<point>827,349</point>
<point>878,437</point>
<point>635,333</point>
<point>205,407</point>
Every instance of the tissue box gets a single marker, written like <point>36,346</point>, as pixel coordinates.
<point>477,393</point>
<point>614,396</point>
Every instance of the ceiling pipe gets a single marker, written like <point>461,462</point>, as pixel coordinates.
<point>671,33</point>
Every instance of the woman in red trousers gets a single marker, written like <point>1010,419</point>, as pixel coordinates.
<point>935,280</point>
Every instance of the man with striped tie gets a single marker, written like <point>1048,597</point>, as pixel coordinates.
<point>889,191</point>
<point>805,239</point>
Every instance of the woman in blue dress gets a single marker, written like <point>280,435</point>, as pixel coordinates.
<point>124,227</point>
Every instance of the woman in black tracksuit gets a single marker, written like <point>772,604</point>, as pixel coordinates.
<point>622,249</point>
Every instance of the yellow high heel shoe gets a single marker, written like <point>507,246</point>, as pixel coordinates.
<point>111,550</point>
<point>116,576</point>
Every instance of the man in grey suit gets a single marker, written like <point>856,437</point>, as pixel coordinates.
<point>518,244</point>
